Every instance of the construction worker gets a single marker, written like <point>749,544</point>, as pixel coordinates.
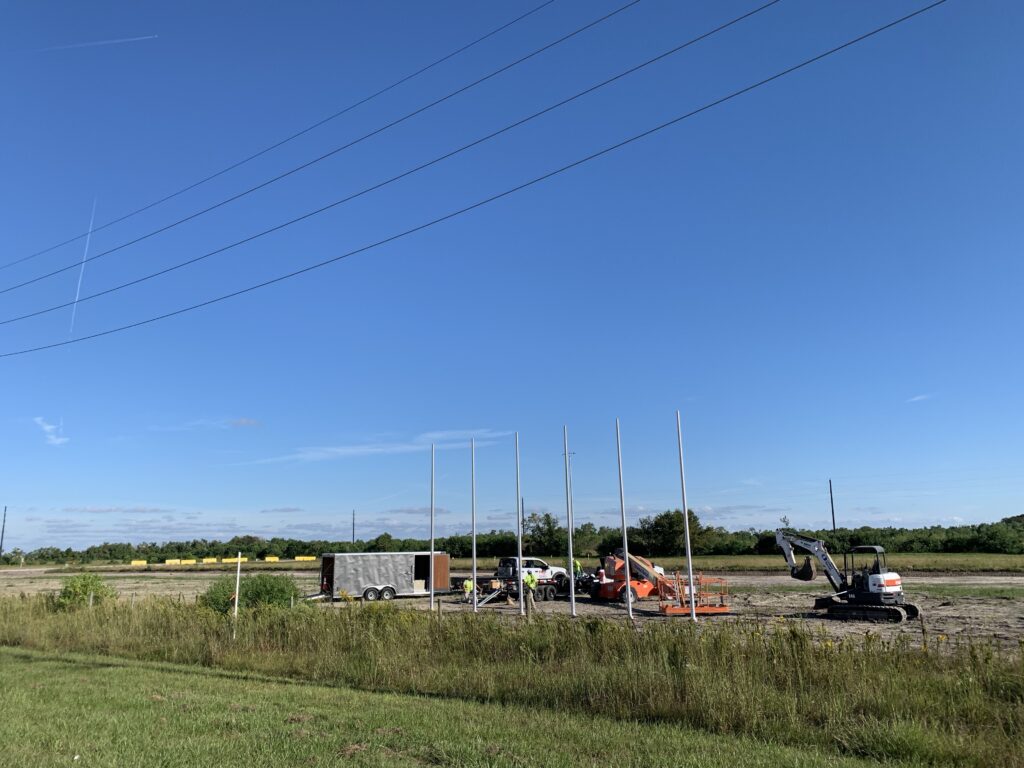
<point>467,591</point>
<point>530,585</point>
<point>577,568</point>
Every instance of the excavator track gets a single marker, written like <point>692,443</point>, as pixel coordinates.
<point>880,614</point>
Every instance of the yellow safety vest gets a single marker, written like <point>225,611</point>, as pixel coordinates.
<point>530,580</point>
<point>467,586</point>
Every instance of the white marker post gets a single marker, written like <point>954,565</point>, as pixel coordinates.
<point>625,538</point>
<point>472,503</point>
<point>238,593</point>
<point>519,536</point>
<point>431,526</point>
<point>686,521</point>
<point>568,516</point>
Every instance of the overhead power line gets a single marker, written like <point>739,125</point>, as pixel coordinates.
<point>330,153</point>
<point>285,140</point>
<point>404,174</point>
<point>480,203</point>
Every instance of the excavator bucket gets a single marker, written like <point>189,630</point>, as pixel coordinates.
<point>805,572</point>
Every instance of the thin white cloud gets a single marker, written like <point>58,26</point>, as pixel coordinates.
<point>95,43</point>
<point>118,510</point>
<point>52,433</point>
<point>918,398</point>
<point>197,424</point>
<point>441,440</point>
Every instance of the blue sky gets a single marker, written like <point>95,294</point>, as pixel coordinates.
<point>823,275</point>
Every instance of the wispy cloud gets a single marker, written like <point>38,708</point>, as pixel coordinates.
<point>198,424</point>
<point>117,510</point>
<point>95,43</point>
<point>281,511</point>
<point>918,398</point>
<point>52,433</point>
<point>442,440</point>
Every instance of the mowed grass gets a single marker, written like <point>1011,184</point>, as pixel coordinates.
<point>776,682</point>
<point>98,711</point>
<point>942,562</point>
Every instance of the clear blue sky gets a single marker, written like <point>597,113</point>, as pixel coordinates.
<point>823,275</point>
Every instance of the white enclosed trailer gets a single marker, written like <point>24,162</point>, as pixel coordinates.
<point>382,575</point>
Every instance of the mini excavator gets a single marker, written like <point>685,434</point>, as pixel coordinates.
<point>865,590</point>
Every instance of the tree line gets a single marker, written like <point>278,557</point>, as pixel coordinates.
<point>661,535</point>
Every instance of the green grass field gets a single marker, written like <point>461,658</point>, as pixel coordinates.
<point>948,562</point>
<point>99,711</point>
<point>773,684</point>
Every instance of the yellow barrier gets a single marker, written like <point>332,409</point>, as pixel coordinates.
<point>234,560</point>
<point>187,562</point>
<point>271,559</point>
<point>172,562</point>
<point>304,558</point>
<point>139,562</point>
<point>209,559</point>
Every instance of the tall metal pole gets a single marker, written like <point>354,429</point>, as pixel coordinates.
<point>519,536</point>
<point>832,503</point>
<point>353,526</point>
<point>238,594</point>
<point>625,539</point>
<point>568,517</point>
<point>690,587</point>
<point>3,530</point>
<point>472,502</point>
<point>431,526</point>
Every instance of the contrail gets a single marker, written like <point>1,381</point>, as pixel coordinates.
<point>97,42</point>
<point>81,272</point>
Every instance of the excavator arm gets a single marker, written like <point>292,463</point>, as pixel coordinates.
<point>788,541</point>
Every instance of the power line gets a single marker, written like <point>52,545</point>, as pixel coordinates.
<point>402,175</point>
<point>487,200</point>
<point>330,153</point>
<point>284,141</point>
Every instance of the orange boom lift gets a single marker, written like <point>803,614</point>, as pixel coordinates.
<point>711,595</point>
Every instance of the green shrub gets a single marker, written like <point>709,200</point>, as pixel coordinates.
<point>76,591</point>
<point>259,590</point>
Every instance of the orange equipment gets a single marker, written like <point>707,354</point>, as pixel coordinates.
<point>712,594</point>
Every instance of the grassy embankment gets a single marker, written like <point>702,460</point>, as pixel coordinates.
<point>775,683</point>
<point>127,713</point>
<point>904,562</point>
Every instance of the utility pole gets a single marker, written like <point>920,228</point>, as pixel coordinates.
<point>3,530</point>
<point>353,526</point>
<point>519,536</point>
<point>832,503</point>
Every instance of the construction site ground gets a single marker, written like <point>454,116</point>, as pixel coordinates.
<point>956,606</point>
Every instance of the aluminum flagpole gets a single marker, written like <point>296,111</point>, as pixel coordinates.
<point>432,526</point>
<point>625,538</point>
<point>519,536</point>
<point>472,496</point>
<point>690,587</point>
<point>568,517</point>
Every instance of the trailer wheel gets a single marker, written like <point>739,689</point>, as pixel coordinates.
<point>387,594</point>
<point>371,595</point>
<point>552,592</point>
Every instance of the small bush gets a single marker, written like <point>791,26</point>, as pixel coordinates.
<point>76,590</point>
<point>260,590</point>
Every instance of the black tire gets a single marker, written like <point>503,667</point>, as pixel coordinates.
<point>561,583</point>
<point>371,595</point>
<point>632,594</point>
<point>552,592</point>
<point>387,594</point>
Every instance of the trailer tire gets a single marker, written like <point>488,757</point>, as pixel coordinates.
<point>371,595</point>
<point>552,592</point>
<point>387,594</point>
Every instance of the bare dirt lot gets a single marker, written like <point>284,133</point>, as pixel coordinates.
<point>956,606</point>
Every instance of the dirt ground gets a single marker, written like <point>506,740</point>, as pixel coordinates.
<point>755,597</point>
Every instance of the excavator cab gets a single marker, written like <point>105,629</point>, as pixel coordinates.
<point>861,563</point>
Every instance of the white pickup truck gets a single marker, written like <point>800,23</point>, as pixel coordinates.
<point>551,579</point>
